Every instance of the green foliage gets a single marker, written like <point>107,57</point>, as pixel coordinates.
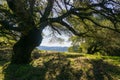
<point>77,49</point>
<point>99,42</point>
<point>7,37</point>
<point>4,41</point>
<point>96,39</point>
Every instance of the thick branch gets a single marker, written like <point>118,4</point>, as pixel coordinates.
<point>48,8</point>
<point>6,25</point>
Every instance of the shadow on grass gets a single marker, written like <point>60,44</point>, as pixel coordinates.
<point>59,67</point>
<point>24,72</point>
<point>103,71</point>
<point>74,55</point>
<point>37,55</point>
<point>116,58</point>
<point>56,68</point>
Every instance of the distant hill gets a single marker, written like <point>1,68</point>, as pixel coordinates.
<point>55,48</point>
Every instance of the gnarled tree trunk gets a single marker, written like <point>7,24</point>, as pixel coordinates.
<point>23,48</point>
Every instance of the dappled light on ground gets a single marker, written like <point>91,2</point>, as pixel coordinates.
<point>62,66</point>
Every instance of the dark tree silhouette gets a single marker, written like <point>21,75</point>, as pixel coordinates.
<point>29,18</point>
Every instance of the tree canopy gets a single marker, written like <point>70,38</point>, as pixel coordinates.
<point>28,18</point>
<point>20,13</point>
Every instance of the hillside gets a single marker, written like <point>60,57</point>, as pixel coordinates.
<point>61,66</point>
<point>54,48</point>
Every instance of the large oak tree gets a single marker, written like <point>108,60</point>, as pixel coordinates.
<point>28,18</point>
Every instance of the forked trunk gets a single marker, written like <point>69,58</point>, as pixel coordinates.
<point>23,48</point>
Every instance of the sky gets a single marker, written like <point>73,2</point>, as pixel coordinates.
<point>59,40</point>
<point>45,42</point>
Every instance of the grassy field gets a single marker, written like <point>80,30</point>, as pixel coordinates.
<point>61,66</point>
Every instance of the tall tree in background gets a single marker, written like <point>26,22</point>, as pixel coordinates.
<point>28,18</point>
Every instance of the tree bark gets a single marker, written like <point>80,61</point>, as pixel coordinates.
<point>23,48</point>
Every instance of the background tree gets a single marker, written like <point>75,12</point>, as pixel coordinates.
<point>102,40</point>
<point>105,43</point>
<point>28,18</point>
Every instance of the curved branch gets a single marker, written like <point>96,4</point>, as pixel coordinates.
<point>116,30</point>
<point>71,29</point>
<point>55,29</point>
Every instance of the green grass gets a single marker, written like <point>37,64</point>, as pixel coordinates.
<point>62,66</point>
